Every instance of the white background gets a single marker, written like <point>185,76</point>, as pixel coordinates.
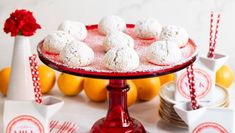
<point>193,15</point>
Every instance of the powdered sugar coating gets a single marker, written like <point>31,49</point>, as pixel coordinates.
<point>111,23</point>
<point>77,54</point>
<point>56,41</point>
<point>121,59</point>
<point>117,39</point>
<point>74,28</point>
<point>148,28</point>
<point>163,53</point>
<point>95,41</point>
<point>176,34</point>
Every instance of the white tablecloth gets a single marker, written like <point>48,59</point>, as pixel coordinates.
<point>84,113</point>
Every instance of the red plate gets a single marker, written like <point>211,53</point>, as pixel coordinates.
<point>97,69</point>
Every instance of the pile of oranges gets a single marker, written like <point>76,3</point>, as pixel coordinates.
<point>47,79</point>
<point>95,89</point>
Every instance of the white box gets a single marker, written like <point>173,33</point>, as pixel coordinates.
<point>205,72</point>
<point>206,120</point>
<point>29,116</point>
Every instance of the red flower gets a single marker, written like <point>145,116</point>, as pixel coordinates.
<point>21,22</point>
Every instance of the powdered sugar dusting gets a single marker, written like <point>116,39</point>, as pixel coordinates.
<point>94,40</point>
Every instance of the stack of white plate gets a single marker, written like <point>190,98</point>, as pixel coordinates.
<point>167,112</point>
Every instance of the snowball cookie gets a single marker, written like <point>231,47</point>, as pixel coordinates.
<point>76,29</point>
<point>121,59</point>
<point>163,53</point>
<point>176,34</point>
<point>77,54</point>
<point>111,23</point>
<point>56,41</point>
<point>148,28</point>
<point>117,39</point>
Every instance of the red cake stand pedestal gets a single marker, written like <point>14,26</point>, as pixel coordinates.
<point>118,119</point>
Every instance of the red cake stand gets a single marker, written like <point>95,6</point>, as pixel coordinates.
<point>118,119</point>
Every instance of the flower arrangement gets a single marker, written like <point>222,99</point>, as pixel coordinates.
<point>21,22</point>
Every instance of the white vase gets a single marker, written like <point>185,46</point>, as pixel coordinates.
<point>21,84</point>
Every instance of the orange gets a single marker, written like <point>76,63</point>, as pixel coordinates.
<point>47,78</point>
<point>70,85</point>
<point>167,78</point>
<point>132,93</point>
<point>95,89</point>
<point>225,76</point>
<point>147,88</point>
<point>4,80</point>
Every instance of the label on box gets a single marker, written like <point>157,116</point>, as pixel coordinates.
<point>204,73</point>
<point>203,83</point>
<point>25,124</point>
<point>210,127</point>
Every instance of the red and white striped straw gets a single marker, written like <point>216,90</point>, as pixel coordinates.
<point>35,77</point>
<point>192,87</point>
<point>211,53</point>
<point>216,34</point>
<point>211,29</point>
